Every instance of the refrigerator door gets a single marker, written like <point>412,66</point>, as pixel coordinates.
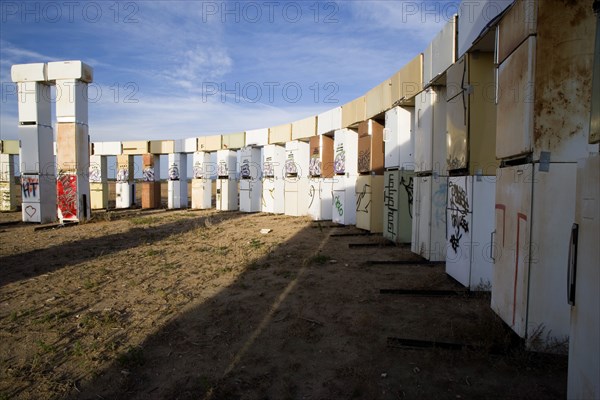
<point>482,230</point>
<point>391,138</point>
<point>512,240</point>
<point>296,196</point>
<point>363,201</point>
<point>459,228</point>
<point>391,204</point>
<point>437,240</point>
<point>405,206</point>
<point>344,200</point>
<point>515,97</point>
<point>553,213</point>
<point>422,216</point>
<point>584,346</point>
<point>399,138</point>
<point>201,193</point>
<point>268,195</point>
<point>439,132</point>
<point>424,130</point>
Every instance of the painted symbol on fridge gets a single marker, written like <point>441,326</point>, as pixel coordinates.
<point>148,174</point>
<point>361,204</point>
<point>30,188</point>
<point>222,169</point>
<point>339,163</point>
<point>291,168</point>
<point>173,172</point>
<point>364,160</point>
<point>245,170</point>
<point>314,167</point>
<point>95,174</point>
<point>123,175</point>
<point>338,205</point>
<point>197,170</point>
<point>66,187</point>
<point>459,205</point>
<point>389,199</point>
<point>408,186</point>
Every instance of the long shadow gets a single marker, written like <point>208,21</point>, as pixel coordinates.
<point>26,265</point>
<point>297,324</point>
<point>307,321</point>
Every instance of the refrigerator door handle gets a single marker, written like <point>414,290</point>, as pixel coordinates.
<point>572,267</point>
<point>492,246</point>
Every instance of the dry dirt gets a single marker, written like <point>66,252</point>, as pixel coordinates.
<point>201,305</point>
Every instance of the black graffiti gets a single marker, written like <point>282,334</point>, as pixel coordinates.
<point>311,194</point>
<point>390,194</point>
<point>459,205</point>
<point>364,161</point>
<point>360,198</point>
<point>409,192</point>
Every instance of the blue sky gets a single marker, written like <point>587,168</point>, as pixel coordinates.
<point>160,67</point>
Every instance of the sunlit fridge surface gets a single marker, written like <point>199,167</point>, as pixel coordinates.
<point>369,203</point>
<point>320,193</point>
<point>470,226</point>
<point>534,214</point>
<point>273,159</point>
<point>201,181</point>
<point>227,184</point>
<point>344,200</point>
<point>584,285</point>
<point>429,217</point>
<point>250,179</point>
<point>296,178</point>
<point>398,137</point>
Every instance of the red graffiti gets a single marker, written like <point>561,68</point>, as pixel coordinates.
<point>66,186</point>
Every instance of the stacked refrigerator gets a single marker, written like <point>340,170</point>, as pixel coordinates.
<point>540,136</point>
<point>430,183</point>
<point>296,178</point>
<point>99,172</point>
<point>177,177</point>
<point>398,178</point>
<point>8,196</point>
<point>227,184</point>
<point>202,171</point>
<point>273,161</point>
<point>584,259</point>
<point>250,173</point>
<point>369,184</point>
<point>320,185</point>
<point>73,144</point>
<point>345,168</point>
<point>38,176</point>
<point>471,160</point>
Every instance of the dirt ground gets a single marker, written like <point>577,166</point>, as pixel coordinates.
<point>201,305</point>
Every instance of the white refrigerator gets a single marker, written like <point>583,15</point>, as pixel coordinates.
<point>583,286</point>
<point>296,198</point>
<point>470,228</point>
<point>534,214</point>
<point>429,217</point>
<point>201,182</point>
<point>273,161</point>
<point>227,184</point>
<point>250,173</point>
<point>398,205</point>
